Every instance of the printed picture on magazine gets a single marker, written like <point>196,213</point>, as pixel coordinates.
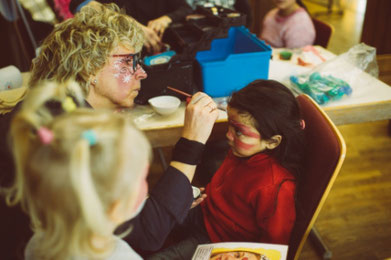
<point>240,250</point>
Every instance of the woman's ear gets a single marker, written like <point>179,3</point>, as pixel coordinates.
<point>93,81</point>
<point>273,142</point>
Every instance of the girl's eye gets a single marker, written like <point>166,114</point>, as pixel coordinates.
<point>238,132</point>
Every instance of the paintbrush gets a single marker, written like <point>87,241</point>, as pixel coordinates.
<point>179,91</point>
<point>188,97</point>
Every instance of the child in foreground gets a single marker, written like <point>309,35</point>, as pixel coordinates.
<point>79,175</point>
<point>251,197</point>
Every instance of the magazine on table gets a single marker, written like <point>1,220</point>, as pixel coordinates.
<point>240,250</point>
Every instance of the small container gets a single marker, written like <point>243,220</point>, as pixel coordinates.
<point>285,55</point>
<point>196,192</point>
<point>10,78</point>
<point>164,105</point>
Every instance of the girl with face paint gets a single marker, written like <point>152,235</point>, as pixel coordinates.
<point>251,197</point>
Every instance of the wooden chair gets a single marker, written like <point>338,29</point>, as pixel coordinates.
<point>324,154</point>
<point>323,32</point>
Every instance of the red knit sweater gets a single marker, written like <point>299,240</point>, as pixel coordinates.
<point>250,200</point>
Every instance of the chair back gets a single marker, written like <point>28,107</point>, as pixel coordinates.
<point>323,157</point>
<point>323,32</point>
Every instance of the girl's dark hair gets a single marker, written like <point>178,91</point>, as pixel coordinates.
<point>276,112</point>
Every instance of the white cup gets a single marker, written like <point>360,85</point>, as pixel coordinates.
<point>10,78</point>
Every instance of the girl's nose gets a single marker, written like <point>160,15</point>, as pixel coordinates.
<point>229,135</point>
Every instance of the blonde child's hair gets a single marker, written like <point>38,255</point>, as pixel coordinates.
<point>67,186</point>
<point>78,47</point>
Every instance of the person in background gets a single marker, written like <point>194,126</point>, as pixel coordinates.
<point>241,6</point>
<point>40,10</point>
<point>23,29</point>
<point>79,175</point>
<point>154,16</point>
<point>288,25</point>
<point>251,197</point>
<point>98,48</point>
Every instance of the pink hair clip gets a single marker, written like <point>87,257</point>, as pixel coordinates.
<point>45,135</point>
<point>302,124</point>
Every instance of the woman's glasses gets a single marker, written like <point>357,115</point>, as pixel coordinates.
<point>135,58</point>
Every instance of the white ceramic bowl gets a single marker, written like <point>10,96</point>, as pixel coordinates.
<point>164,105</point>
<point>196,192</point>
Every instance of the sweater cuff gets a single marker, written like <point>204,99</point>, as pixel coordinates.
<point>174,192</point>
<point>188,151</point>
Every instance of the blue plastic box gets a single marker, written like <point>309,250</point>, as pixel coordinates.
<point>233,62</point>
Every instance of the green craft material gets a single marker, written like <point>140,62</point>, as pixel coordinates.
<point>285,55</point>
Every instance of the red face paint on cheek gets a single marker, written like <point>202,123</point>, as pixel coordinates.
<point>239,145</point>
<point>246,130</point>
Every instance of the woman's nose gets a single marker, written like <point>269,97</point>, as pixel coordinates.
<point>140,73</point>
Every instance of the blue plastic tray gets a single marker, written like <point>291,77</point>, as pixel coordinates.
<point>233,62</point>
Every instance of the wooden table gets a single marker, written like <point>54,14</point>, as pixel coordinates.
<point>165,131</point>
<point>370,101</point>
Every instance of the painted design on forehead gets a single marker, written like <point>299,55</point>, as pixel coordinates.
<point>246,130</point>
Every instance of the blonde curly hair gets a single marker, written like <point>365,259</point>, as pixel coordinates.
<point>68,185</point>
<point>78,47</point>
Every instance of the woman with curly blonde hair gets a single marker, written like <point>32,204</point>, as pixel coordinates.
<point>99,48</point>
<point>79,175</point>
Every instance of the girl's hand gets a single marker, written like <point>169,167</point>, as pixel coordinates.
<point>199,199</point>
<point>200,116</point>
<point>159,25</point>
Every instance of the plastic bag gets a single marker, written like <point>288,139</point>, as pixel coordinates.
<point>333,79</point>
